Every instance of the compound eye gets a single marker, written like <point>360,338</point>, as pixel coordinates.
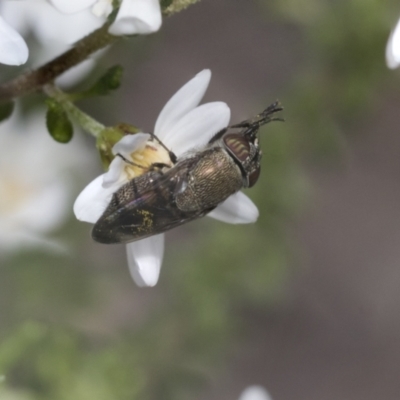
<point>253,177</point>
<point>238,146</point>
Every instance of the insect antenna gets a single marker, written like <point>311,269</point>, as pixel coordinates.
<point>252,125</point>
<point>263,118</point>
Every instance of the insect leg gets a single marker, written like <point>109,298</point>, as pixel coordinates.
<point>171,154</point>
<point>153,167</point>
<point>129,161</point>
<point>158,165</point>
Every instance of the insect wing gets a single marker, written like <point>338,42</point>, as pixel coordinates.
<point>143,207</point>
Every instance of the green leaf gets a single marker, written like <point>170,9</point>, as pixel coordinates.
<point>6,110</point>
<point>165,3</point>
<point>111,80</point>
<point>58,123</point>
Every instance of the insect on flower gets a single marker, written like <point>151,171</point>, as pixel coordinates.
<point>166,197</point>
<point>147,191</point>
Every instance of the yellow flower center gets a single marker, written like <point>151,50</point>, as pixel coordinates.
<point>144,158</point>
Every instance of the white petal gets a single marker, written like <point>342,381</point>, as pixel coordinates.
<point>13,49</point>
<point>130,143</point>
<point>145,259</point>
<point>16,16</point>
<point>198,126</point>
<point>393,48</point>
<point>255,392</point>
<point>137,17</point>
<point>52,27</point>
<point>102,8</point>
<point>184,100</point>
<point>93,200</point>
<point>114,173</point>
<point>71,6</point>
<point>236,209</point>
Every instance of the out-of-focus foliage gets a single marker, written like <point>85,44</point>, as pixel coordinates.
<point>343,64</point>
<point>346,37</point>
<point>6,110</point>
<point>195,314</point>
<point>57,364</point>
<point>109,81</point>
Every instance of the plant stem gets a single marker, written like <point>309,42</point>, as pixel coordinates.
<point>84,120</point>
<point>34,80</point>
<point>177,6</point>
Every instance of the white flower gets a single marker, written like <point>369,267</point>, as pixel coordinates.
<point>55,32</point>
<point>34,182</point>
<point>72,6</point>
<point>393,48</point>
<point>13,49</point>
<point>49,26</point>
<point>60,24</point>
<point>182,125</point>
<point>134,16</point>
<point>255,392</point>
<point>137,17</point>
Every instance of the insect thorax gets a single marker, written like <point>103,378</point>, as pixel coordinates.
<point>213,178</point>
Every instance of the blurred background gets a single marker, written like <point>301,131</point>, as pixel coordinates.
<point>304,302</point>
